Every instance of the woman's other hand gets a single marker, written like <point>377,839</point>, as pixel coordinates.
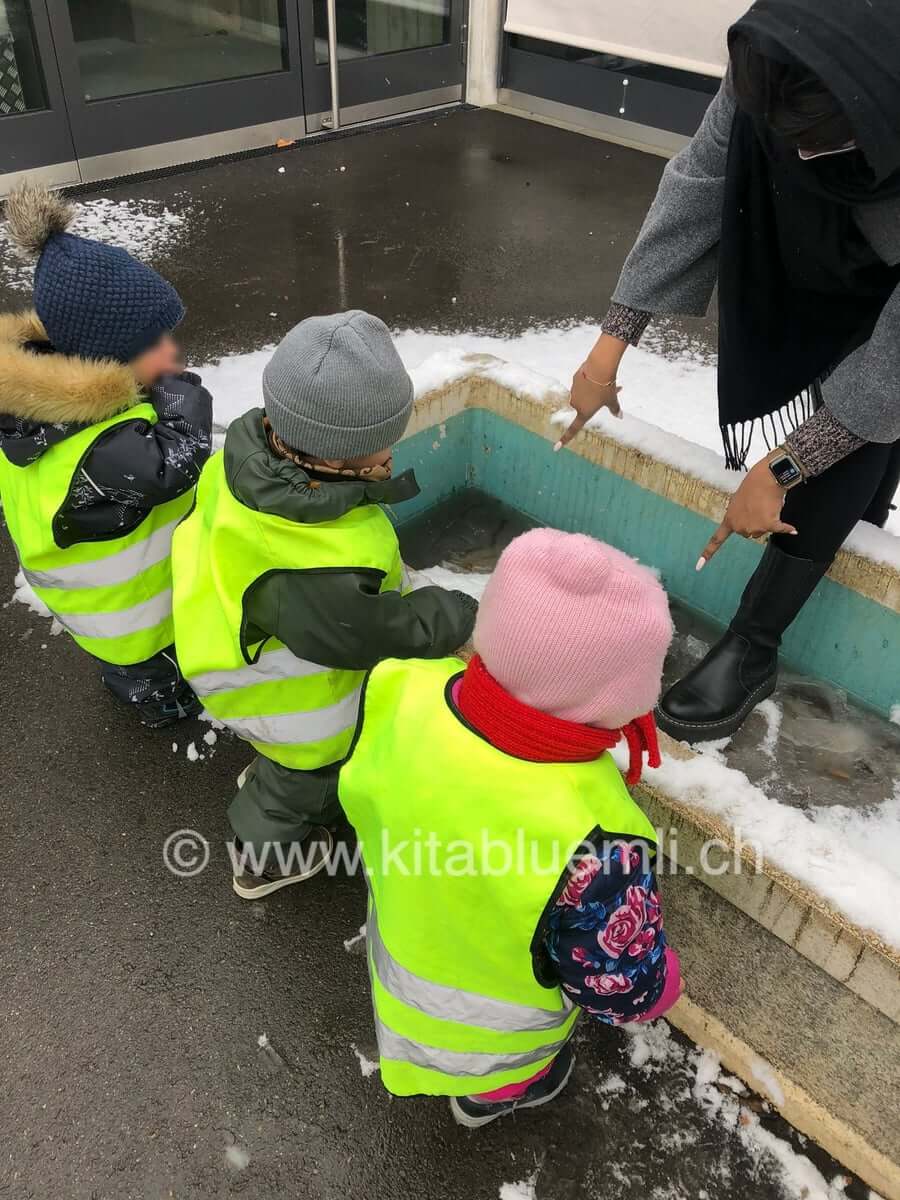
<point>594,386</point>
<point>754,510</point>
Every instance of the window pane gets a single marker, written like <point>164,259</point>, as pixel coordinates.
<point>150,45</point>
<point>367,27</point>
<point>21,78</point>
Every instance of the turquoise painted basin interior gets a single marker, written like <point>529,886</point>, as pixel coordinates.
<point>840,637</point>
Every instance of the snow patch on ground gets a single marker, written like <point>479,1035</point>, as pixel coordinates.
<point>523,1190</point>
<point>652,1049</point>
<point>771,711</point>
<point>24,593</point>
<point>357,938</point>
<point>366,1065</point>
<point>714,750</point>
<point>237,1157</point>
<point>145,228</point>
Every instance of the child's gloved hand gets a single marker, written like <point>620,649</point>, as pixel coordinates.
<point>467,601</point>
<point>469,605</point>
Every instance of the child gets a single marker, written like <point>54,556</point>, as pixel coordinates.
<point>499,770</point>
<point>102,438</point>
<point>287,584</point>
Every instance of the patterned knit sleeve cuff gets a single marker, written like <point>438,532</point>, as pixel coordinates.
<point>626,324</point>
<point>821,442</point>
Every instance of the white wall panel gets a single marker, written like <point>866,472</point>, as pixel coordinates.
<point>688,34</point>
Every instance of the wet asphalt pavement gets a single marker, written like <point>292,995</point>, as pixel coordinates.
<point>133,1001</point>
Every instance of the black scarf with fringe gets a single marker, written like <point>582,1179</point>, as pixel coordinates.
<point>800,287</point>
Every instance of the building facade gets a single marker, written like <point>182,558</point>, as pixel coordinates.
<point>95,89</point>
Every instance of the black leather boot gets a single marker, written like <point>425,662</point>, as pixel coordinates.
<point>714,699</point>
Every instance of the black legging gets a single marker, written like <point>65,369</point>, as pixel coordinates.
<point>824,510</point>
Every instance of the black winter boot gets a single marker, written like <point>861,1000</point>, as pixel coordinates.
<point>714,699</point>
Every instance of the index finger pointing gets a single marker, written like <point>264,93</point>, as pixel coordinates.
<point>578,423</point>
<point>714,545</point>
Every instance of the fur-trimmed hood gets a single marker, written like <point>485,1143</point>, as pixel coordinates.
<point>45,396</point>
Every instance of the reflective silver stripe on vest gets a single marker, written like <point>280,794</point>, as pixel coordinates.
<point>118,624</point>
<point>298,728</point>
<point>456,1062</point>
<point>106,572</point>
<point>452,1004</point>
<point>277,664</point>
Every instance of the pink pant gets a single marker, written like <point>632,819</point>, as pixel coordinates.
<point>512,1091</point>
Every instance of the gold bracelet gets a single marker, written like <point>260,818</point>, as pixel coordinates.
<point>596,382</point>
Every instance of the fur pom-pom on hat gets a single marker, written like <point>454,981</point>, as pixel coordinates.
<point>34,215</point>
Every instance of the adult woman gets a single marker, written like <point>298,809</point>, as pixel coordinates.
<point>789,197</point>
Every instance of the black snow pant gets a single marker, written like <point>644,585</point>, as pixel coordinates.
<point>824,510</point>
<point>157,680</point>
<point>280,805</point>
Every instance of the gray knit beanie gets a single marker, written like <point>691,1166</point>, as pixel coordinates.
<point>336,388</point>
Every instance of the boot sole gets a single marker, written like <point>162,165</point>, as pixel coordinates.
<point>710,731</point>
<point>468,1122</point>
<point>275,885</point>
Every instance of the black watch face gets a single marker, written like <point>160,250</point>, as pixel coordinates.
<point>785,471</point>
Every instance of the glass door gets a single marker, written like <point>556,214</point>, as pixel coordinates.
<point>115,86</point>
<point>393,56</point>
<point>138,73</point>
<point>34,130</point>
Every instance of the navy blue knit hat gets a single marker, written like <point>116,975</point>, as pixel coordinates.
<point>95,301</point>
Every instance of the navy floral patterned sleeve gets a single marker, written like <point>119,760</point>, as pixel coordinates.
<point>605,936</point>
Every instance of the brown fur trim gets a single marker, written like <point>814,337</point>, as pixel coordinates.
<point>57,388</point>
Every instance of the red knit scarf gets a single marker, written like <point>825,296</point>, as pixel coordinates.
<point>526,732</point>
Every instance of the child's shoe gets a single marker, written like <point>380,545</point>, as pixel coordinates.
<point>158,714</point>
<point>299,862</point>
<point>473,1113</point>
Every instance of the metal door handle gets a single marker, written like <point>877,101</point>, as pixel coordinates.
<point>331,10</point>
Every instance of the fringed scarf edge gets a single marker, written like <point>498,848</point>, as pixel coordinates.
<point>737,437</point>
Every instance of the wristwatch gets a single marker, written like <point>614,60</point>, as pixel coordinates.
<point>785,469</point>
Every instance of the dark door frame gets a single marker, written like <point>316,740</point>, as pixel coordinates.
<point>72,129</point>
<point>148,118</point>
<point>381,78</point>
<point>41,136</point>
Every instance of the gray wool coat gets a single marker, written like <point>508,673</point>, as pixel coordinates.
<point>672,269</point>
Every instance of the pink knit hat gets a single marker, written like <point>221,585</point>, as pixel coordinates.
<point>575,628</point>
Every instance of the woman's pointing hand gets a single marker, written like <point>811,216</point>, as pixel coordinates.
<point>594,385</point>
<point>754,510</point>
<point>587,398</point>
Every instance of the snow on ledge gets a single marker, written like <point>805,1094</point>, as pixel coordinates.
<point>816,855</point>
<point>449,366</point>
